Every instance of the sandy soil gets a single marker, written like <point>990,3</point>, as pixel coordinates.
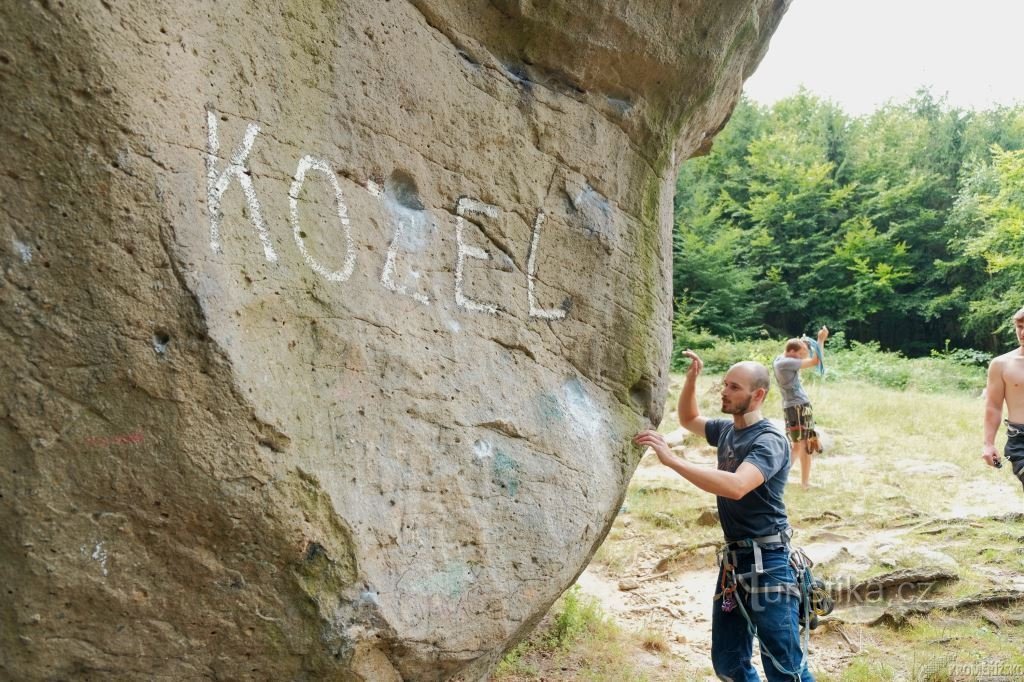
<point>679,603</point>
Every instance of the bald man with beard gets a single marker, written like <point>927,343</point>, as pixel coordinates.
<point>755,580</point>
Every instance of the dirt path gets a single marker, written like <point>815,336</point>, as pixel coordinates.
<point>677,602</point>
<point>678,605</point>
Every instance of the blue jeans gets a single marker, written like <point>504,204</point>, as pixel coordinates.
<point>775,615</point>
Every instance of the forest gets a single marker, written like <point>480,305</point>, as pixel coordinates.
<point>902,228</point>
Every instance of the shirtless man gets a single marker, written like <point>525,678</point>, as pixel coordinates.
<point>1006,385</point>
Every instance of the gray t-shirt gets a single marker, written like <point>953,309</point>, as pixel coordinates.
<point>787,376</point>
<point>760,512</point>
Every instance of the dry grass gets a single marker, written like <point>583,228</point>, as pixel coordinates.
<point>653,641</point>
<point>577,641</point>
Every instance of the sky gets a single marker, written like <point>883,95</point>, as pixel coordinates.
<point>860,53</point>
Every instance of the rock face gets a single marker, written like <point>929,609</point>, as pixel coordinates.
<point>325,326</point>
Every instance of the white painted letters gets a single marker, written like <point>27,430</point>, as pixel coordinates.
<point>463,206</point>
<point>217,184</point>
<point>387,275</point>
<point>413,224</point>
<point>531,272</point>
<point>307,163</point>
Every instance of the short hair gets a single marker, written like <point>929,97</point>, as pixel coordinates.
<point>795,344</point>
<point>762,379</point>
<point>1017,315</point>
<point>759,375</point>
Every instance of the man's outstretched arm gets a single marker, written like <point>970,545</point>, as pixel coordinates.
<point>732,485</point>
<point>689,414</point>
<point>817,359</point>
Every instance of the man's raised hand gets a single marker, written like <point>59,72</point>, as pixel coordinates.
<point>696,364</point>
<point>655,441</point>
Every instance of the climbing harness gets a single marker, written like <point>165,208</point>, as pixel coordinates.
<point>813,596</point>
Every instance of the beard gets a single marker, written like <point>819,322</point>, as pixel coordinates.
<point>736,408</point>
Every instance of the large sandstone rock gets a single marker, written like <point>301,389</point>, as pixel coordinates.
<point>325,325</point>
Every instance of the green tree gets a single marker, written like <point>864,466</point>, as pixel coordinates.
<point>990,210</point>
<point>899,226</point>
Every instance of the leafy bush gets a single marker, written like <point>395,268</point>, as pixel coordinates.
<point>724,354</point>
<point>837,340</point>
<point>867,362</point>
<point>579,614</point>
<point>513,663</point>
<point>957,370</point>
<point>963,356</point>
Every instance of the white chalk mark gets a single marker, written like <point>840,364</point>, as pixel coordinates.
<point>453,326</point>
<point>374,189</point>
<point>482,450</point>
<point>307,163</point>
<point>586,416</point>
<point>99,554</point>
<point>531,272</point>
<point>387,274</point>
<point>218,183</point>
<point>464,205</point>
<point>467,205</point>
<point>24,251</point>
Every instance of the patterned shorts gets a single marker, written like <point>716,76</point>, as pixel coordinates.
<point>800,426</point>
<point>1014,452</point>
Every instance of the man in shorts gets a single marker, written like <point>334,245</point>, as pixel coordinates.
<point>1006,385</point>
<point>795,403</point>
